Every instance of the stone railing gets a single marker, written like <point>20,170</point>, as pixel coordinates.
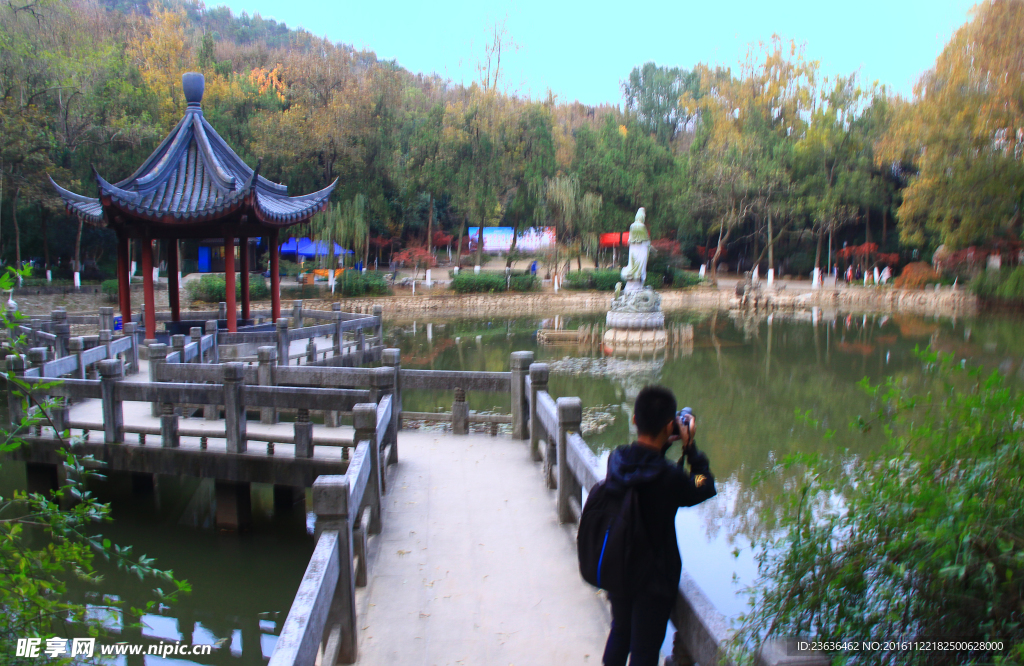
<point>322,624</point>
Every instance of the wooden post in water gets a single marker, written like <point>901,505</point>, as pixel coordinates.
<point>460,413</point>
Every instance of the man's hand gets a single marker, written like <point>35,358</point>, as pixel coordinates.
<point>688,431</point>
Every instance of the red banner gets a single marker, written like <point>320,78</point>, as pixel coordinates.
<point>616,239</point>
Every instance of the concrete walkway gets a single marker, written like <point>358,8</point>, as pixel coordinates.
<point>472,566</point>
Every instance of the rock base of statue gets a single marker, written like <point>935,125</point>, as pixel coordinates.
<point>635,321</point>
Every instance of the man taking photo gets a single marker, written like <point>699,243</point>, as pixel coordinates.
<point>640,616</point>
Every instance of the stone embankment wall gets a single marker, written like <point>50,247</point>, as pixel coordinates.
<point>944,302</point>
<point>34,301</point>
<point>445,304</point>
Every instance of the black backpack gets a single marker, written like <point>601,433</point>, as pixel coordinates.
<point>612,544</point>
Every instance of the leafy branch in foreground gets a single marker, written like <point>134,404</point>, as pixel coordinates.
<point>922,540</point>
<point>47,540</point>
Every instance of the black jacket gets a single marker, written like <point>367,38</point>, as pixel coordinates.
<point>663,487</point>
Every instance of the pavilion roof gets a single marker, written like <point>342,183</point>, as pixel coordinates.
<point>194,177</point>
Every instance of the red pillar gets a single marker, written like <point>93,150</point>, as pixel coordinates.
<point>275,276</point>
<point>229,282</point>
<point>147,282</point>
<point>124,288</point>
<point>172,280</point>
<point>243,255</point>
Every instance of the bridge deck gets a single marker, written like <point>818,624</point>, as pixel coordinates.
<point>472,566</point>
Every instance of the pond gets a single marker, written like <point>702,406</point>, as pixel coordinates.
<point>745,378</point>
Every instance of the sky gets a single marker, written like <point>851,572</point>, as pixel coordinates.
<point>583,51</point>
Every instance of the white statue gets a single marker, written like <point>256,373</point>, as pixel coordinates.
<point>635,272</point>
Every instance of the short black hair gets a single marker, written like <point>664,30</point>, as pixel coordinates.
<point>655,406</point>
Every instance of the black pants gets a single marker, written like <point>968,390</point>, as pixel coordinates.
<point>638,629</point>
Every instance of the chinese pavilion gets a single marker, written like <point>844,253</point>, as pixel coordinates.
<point>194,186</point>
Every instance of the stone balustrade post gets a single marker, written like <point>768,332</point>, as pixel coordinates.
<point>303,435</point>
<point>310,351</point>
<point>169,426</point>
<point>211,329</point>
<point>520,364</point>
<point>59,327</point>
<point>282,341</point>
<point>297,313</point>
<point>212,412</point>
<point>111,372</point>
<point>76,346</point>
<point>234,406</point>
<point>63,332</point>
<point>16,364</point>
<point>131,330</point>
<point>178,345</point>
<point>267,357</point>
<point>157,357</point>
<point>361,341</point>
<point>107,318</point>
<point>538,382</point>
<point>330,504</point>
<point>337,337</point>
<point>460,413</point>
<point>38,356</point>
<point>195,334</point>
<point>378,312</point>
<point>222,311</point>
<point>392,358</point>
<point>570,414</point>
<point>364,419</point>
<point>104,339</point>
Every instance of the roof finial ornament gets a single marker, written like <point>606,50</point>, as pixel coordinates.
<point>193,84</point>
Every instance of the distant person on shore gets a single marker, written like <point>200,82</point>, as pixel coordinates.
<point>886,274</point>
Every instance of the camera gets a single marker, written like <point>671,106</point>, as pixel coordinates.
<point>684,415</point>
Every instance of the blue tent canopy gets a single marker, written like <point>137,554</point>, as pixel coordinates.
<point>305,247</point>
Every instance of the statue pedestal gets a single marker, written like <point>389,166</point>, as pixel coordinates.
<point>633,285</point>
<point>635,321</point>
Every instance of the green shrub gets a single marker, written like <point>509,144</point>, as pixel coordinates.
<point>356,283</point>
<point>212,288</point>
<point>607,279</point>
<point>468,283</point>
<point>685,279</point>
<point>109,288</point>
<point>288,268</point>
<point>919,539</point>
<point>1011,287</point>
<point>578,281</point>
<point>524,282</point>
